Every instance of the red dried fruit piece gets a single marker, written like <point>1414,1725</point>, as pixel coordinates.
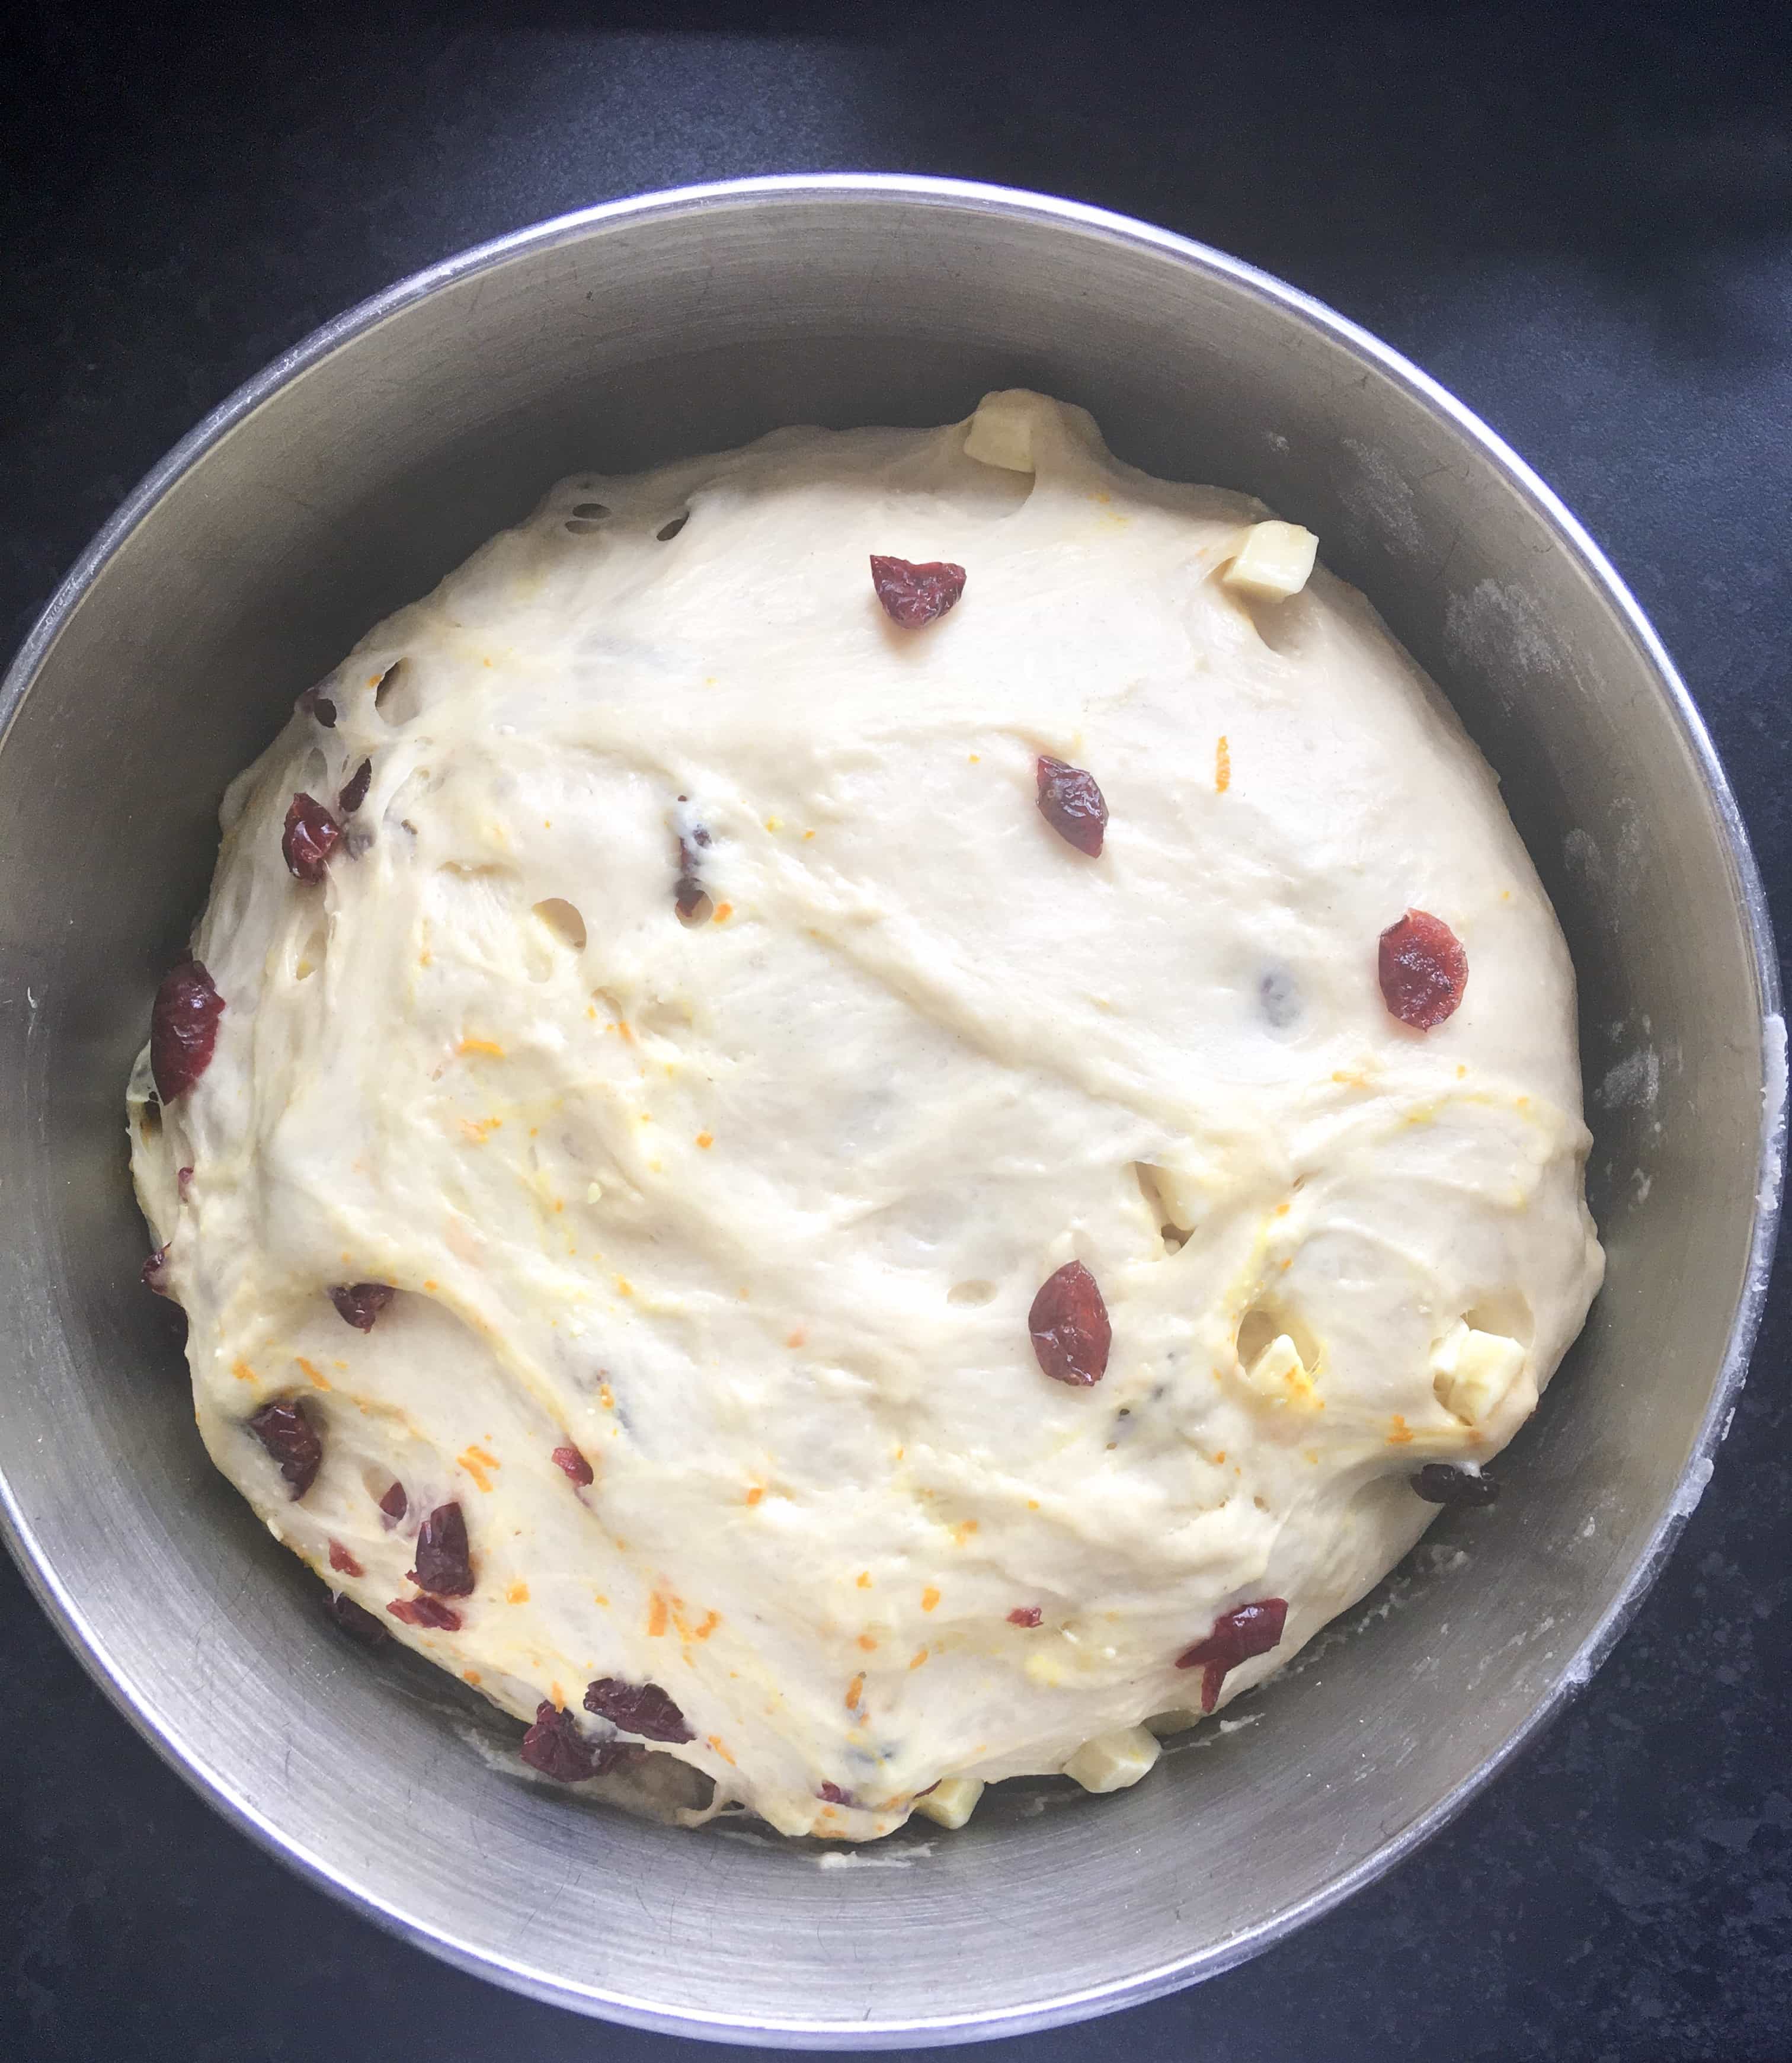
<point>913,595</point>
<point>355,788</point>
<point>342,1562</point>
<point>155,1270</point>
<point>358,1623</point>
<point>314,703</point>
<point>444,1566</point>
<point>360,1303</point>
<point>311,836</point>
<point>1439,1482</point>
<point>573,1465</point>
<point>689,892</point>
<point>426,1611</point>
<point>831,1794</point>
<point>183,1029</point>
<point>1069,1324</point>
<point>1423,968</point>
<point>637,1708</point>
<point>1252,1629</point>
<point>1072,804</point>
<point>292,1440</point>
<point>395,1503</point>
<point>555,1746</point>
<point>1025,1615</point>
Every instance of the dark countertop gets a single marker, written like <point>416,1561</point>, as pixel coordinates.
<point>1581,224</point>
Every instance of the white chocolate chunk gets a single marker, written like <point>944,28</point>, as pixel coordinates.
<point>1474,1373</point>
<point>1001,432</point>
<point>1279,1375</point>
<point>952,1801</point>
<point>1111,1762</point>
<point>1274,562</point>
<point>1177,1721</point>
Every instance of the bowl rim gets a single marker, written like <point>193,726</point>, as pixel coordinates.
<point>189,1761</point>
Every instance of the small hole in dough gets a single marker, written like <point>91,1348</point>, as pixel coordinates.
<point>311,954</point>
<point>1256,1331</point>
<point>1262,1322</point>
<point>1505,1312</point>
<point>580,527</point>
<point>974,1292</point>
<point>397,697</point>
<point>698,910</point>
<point>590,511</point>
<point>668,531</point>
<point>563,919</point>
<point>316,773</point>
<point>1154,1187</point>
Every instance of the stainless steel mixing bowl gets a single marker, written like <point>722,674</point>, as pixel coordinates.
<point>345,479</point>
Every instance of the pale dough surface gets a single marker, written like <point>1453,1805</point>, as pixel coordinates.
<point>753,1212</point>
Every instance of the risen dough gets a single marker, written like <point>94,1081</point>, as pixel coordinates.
<point>751,1210</point>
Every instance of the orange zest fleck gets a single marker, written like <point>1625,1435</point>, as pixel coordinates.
<point>711,1621</point>
<point>599,1598</point>
<point>558,1696</point>
<point>1222,766</point>
<point>705,1139</point>
<point>476,1461</point>
<point>625,1031</point>
<point>481,1046</point>
<point>243,1372</point>
<point>716,1742</point>
<point>917,1658</point>
<point>1401,1433</point>
<point>864,1580</point>
<point>796,1337</point>
<point>316,1374</point>
<point>930,1598</point>
<point>723,911</point>
<point>679,1619</point>
<point>518,1593</point>
<point>867,1643</point>
<point>624,1286</point>
<point>962,1531</point>
<point>855,1691</point>
<point>756,1492</point>
<point>655,1617</point>
<point>469,1675</point>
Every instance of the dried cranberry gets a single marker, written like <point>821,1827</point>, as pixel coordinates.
<point>355,788</point>
<point>1252,1629</point>
<point>360,1303</point>
<point>358,1623</point>
<point>444,1567</point>
<point>183,1029</point>
<point>831,1794</point>
<point>311,835</point>
<point>1072,804</point>
<point>1437,1482</point>
<point>1423,969</point>
<point>395,1503</point>
<point>688,891</point>
<point>573,1464</point>
<point>342,1562</point>
<point>1069,1324</point>
<point>426,1611</point>
<point>315,702</point>
<point>637,1708</point>
<point>291,1439</point>
<point>913,595</point>
<point>155,1270</point>
<point>555,1746</point>
<point>1025,1615</point>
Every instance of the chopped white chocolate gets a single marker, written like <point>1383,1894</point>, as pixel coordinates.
<point>1279,1375</point>
<point>1111,1762</point>
<point>1274,562</point>
<point>1176,1721</point>
<point>952,1801</point>
<point>1472,1372</point>
<point>1001,432</point>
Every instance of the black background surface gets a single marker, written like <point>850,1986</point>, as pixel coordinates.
<point>1581,223</point>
